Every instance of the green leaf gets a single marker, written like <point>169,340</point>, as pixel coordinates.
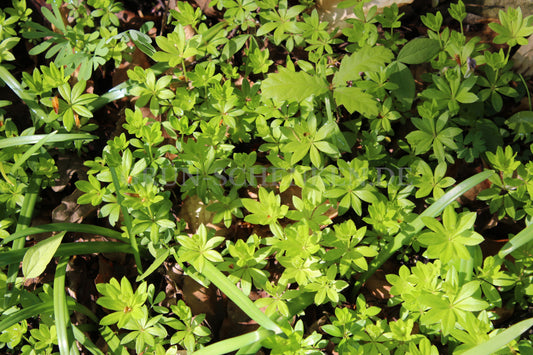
<point>56,21</point>
<point>419,50</point>
<point>365,59</point>
<point>355,99</point>
<point>402,76</point>
<point>521,123</point>
<point>499,341</point>
<point>522,238</point>
<point>38,256</point>
<point>22,140</point>
<point>287,85</point>
<point>406,235</point>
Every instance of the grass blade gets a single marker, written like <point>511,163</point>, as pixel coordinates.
<point>235,343</point>
<point>86,342</point>
<point>25,313</point>
<point>42,308</point>
<point>241,300</point>
<point>33,139</point>
<point>31,151</point>
<point>499,341</point>
<point>23,222</point>
<point>69,249</point>
<point>65,338</point>
<point>14,85</point>
<point>405,236</point>
<point>522,238</point>
<point>67,227</point>
<point>113,342</point>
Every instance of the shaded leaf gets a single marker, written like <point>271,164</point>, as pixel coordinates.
<point>419,50</point>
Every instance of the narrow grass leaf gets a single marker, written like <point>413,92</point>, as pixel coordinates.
<point>161,257</point>
<point>31,151</point>
<point>58,138</point>
<point>65,338</point>
<point>24,220</point>
<point>235,343</point>
<point>86,342</point>
<point>42,308</point>
<point>69,249</point>
<point>499,341</point>
<point>14,85</point>
<point>522,238</point>
<point>241,300</point>
<point>67,227</point>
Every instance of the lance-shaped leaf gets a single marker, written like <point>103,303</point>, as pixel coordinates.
<point>38,256</point>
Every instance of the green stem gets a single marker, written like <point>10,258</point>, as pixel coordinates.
<point>127,220</point>
<point>328,109</point>
<point>24,220</point>
<point>3,172</point>
<point>527,91</point>
<point>65,337</point>
<point>184,69</point>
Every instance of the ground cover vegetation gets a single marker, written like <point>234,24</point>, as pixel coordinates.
<point>356,191</point>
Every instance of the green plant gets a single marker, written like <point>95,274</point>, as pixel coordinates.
<point>277,165</point>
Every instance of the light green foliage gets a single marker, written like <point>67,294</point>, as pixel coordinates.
<point>296,342</point>
<point>512,28</point>
<point>282,21</point>
<point>190,332</point>
<point>304,140</point>
<point>437,296</point>
<point>268,117</point>
<point>247,263</point>
<point>120,297</point>
<point>265,211</point>
<point>449,240</point>
<point>345,249</point>
<point>327,288</point>
<point>427,180</point>
<point>433,133</point>
<point>175,48</point>
<point>353,187</point>
<point>289,85</point>
<point>508,193</point>
<point>198,249</point>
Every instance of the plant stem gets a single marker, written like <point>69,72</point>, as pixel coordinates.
<point>127,220</point>
<point>527,91</point>
<point>24,220</point>
<point>65,337</point>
